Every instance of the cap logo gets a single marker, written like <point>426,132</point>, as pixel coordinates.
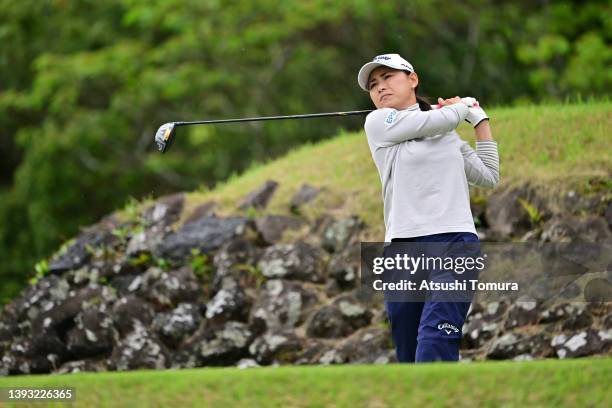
<point>381,57</point>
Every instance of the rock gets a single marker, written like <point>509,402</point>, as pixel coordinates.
<point>574,228</point>
<point>332,356</point>
<point>607,321</point>
<point>172,327</point>
<point>582,343</point>
<point>292,261</point>
<point>523,312</point>
<point>145,241</point>
<point>468,356</point>
<point>478,206</point>
<point>76,254</point>
<point>312,351</point>
<point>608,214</point>
<point>344,266</point>
<point>328,322</point>
<point>126,285</point>
<point>93,334</point>
<point>281,305</point>
<point>282,347</point>
<point>167,289</point>
<point>477,331</point>
<point>41,297</point>
<point>576,203</point>
<point>229,303</point>
<point>370,345</point>
<point>235,259</point>
<point>85,365</point>
<point>205,234</point>
<point>305,194</point>
<point>21,358</point>
<point>599,309</point>
<point>50,328</point>
<point>8,330</point>
<point>573,316</point>
<point>353,312</point>
<point>272,227</point>
<point>139,349</point>
<point>577,321</point>
<point>338,233</point>
<point>156,219</point>
<point>129,309</point>
<point>493,310</point>
<point>224,345</point>
<point>260,197</point>
<point>247,363</point>
<point>513,344</point>
<point>203,210</point>
<point>165,211</point>
<point>505,214</point>
<point>331,288</point>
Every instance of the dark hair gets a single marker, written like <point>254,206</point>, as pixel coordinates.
<point>423,101</point>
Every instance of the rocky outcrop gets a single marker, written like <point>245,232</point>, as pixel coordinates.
<point>151,293</point>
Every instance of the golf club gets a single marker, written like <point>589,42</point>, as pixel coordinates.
<point>165,134</point>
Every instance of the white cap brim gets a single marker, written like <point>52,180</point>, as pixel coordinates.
<point>364,74</point>
<point>366,70</point>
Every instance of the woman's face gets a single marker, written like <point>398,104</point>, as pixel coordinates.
<point>392,88</point>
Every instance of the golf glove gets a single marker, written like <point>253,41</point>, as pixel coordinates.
<point>469,101</point>
<point>475,114</point>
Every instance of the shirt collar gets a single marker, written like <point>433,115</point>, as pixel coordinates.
<point>413,107</point>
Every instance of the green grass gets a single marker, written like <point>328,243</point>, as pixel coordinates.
<point>541,145</point>
<point>580,383</point>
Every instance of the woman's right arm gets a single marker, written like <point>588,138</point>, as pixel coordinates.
<point>386,127</point>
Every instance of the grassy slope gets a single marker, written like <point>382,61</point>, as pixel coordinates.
<point>539,144</point>
<point>580,383</point>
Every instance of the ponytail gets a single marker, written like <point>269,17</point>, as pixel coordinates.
<point>424,103</point>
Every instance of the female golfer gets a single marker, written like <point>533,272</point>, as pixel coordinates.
<point>425,169</point>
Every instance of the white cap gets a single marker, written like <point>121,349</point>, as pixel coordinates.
<point>389,60</point>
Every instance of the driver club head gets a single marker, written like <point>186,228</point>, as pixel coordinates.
<point>164,136</point>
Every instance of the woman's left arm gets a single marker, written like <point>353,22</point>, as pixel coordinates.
<point>481,166</point>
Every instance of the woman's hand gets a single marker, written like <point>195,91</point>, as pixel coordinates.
<point>449,101</point>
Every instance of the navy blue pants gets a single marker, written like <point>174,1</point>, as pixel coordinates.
<point>430,330</point>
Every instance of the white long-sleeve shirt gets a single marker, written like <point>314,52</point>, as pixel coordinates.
<point>425,169</point>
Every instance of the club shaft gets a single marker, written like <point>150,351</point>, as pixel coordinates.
<point>261,118</point>
<point>309,115</point>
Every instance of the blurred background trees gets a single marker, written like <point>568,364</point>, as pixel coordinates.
<point>84,84</point>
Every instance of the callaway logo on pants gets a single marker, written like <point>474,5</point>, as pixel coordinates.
<point>430,330</point>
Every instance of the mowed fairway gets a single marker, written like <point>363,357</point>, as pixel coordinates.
<point>559,383</point>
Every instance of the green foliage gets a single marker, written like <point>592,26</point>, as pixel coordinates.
<point>143,259</point>
<point>162,263</point>
<point>535,217</point>
<point>254,272</point>
<point>123,232</point>
<point>42,269</point>
<point>200,265</point>
<point>85,84</point>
